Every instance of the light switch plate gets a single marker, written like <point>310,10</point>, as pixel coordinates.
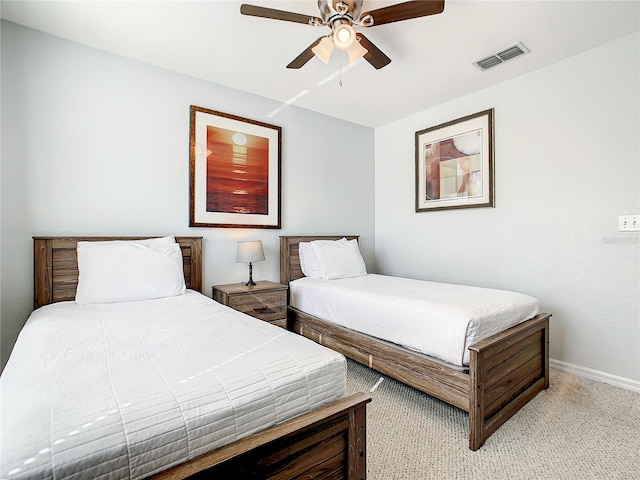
<point>629,223</point>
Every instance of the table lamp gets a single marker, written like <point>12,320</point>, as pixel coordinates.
<point>250,251</point>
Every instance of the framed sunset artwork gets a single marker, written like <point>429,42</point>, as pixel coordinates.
<point>454,164</point>
<point>234,175</point>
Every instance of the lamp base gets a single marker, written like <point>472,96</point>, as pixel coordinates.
<point>250,282</point>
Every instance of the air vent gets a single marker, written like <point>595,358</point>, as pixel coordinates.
<point>502,56</point>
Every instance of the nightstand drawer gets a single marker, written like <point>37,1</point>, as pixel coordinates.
<point>265,300</point>
<point>267,306</point>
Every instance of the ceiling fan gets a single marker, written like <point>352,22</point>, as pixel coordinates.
<point>341,16</point>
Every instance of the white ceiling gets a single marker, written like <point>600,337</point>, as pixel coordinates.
<point>432,57</point>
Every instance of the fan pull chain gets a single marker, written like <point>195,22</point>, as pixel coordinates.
<point>340,77</point>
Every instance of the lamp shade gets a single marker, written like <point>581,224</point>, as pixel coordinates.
<point>249,251</point>
<point>356,51</point>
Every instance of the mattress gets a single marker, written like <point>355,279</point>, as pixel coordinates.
<point>129,389</point>
<point>437,319</point>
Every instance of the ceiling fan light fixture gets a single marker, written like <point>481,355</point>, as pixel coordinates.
<point>323,49</point>
<point>341,16</point>
<point>344,36</point>
<point>356,51</point>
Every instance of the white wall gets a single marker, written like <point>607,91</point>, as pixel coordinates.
<point>98,144</point>
<point>567,164</point>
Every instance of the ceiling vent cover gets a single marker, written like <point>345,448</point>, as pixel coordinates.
<point>502,56</point>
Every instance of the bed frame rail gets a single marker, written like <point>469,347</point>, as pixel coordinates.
<point>421,372</point>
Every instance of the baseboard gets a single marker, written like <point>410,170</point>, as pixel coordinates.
<point>596,375</point>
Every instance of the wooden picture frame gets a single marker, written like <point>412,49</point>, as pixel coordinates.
<point>234,171</point>
<point>454,164</point>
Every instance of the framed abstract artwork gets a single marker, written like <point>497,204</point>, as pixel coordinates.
<point>454,164</point>
<point>234,171</point>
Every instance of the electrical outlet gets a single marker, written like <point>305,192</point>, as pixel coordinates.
<point>629,223</point>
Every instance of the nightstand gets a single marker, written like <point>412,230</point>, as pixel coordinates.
<point>264,300</point>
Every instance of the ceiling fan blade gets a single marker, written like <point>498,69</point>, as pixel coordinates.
<point>264,12</point>
<point>374,55</point>
<point>305,56</point>
<point>405,11</point>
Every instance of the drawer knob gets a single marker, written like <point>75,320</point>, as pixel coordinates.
<point>260,309</point>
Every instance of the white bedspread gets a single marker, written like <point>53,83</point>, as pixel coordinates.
<point>126,390</point>
<point>438,319</point>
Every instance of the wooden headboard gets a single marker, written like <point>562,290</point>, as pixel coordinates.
<point>290,256</point>
<point>56,265</point>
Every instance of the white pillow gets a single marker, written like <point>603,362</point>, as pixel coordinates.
<point>153,241</point>
<point>308,261</point>
<point>339,259</point>
<point>125,271</point>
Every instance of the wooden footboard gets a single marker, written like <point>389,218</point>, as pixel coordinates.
<point>506,371</point>
<point>328,443</point>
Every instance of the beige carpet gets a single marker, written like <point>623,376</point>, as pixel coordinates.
<point>577,429</point>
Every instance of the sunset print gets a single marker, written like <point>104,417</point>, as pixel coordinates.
<point>237,172</point>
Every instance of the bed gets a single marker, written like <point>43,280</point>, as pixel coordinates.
<point>324,439</point>
<point>505,371</point>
